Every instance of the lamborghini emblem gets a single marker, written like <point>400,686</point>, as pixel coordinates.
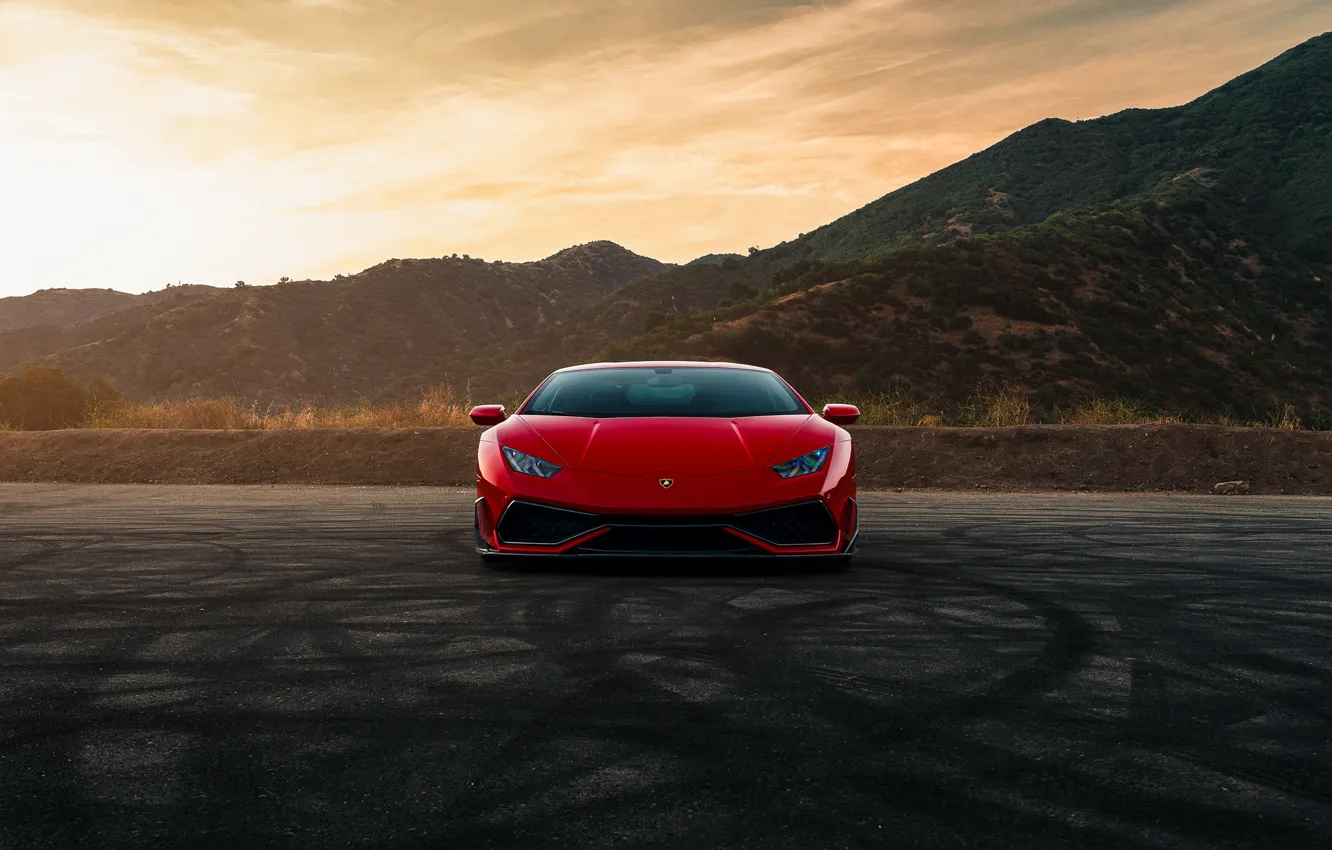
<point>667,482</point>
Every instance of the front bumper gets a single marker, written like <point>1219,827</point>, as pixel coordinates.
<point>804,529</point>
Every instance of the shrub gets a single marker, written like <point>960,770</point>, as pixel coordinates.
<point>42,397</point>
<point>897,406</point>
<point>1285,419</point>
<point>998,408</point>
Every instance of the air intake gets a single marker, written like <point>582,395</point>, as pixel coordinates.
<point>806,524</point>
<point>526,524</point>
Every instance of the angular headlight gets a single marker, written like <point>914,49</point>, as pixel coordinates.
<point>803,465</point>
<point>529,464</point>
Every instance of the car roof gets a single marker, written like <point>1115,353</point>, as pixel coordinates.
<point>664,364</point>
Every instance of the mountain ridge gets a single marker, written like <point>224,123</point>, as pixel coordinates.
<point>1086,149</point>
<point>325,340</point>
<point>59,307</point>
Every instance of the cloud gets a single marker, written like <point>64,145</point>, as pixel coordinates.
<point>249,139</point>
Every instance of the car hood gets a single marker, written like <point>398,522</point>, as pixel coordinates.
<point>637,446</point>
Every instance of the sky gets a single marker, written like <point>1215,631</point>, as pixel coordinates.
<point>146,142</point>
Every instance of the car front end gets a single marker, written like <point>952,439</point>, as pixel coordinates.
<point>728,515</point>
<point>580,486</point>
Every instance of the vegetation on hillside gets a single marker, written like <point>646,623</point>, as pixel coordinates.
<point>42,398</point>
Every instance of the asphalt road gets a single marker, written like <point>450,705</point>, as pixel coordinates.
<point>325,667</point>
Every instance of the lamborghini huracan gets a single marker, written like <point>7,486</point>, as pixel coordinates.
<point>666,459</point>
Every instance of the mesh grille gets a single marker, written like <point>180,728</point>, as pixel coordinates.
<point>807,524</point>
<point>525,523</point>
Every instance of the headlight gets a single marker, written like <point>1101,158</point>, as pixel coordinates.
<point>803,465</point>
<point>529,464</point>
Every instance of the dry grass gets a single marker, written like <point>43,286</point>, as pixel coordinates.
<point>899,407</point>
<point>1002,408</point>
<point>438,407</point>
<point>1286,419</point>
<point>1009,406</point>
<point>208,414</point>
<point>1101,411</point>
<point>442,406</point>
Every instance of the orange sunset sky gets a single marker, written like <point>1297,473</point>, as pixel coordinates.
<point>149,141</point>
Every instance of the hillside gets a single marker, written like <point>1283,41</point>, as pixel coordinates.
<point>60,307</point>
<point>1177,256</point>
<point>328,339</point>
<point>1268,132</point>
<point>1152,301</point>
<point>38,342</point>
<point>1266,138</point>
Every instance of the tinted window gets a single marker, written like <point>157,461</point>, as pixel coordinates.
<point>608,393</point>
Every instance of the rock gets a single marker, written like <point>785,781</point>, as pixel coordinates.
<point>1231,488</point>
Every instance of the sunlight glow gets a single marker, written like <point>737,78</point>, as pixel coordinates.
<point>143,143</point>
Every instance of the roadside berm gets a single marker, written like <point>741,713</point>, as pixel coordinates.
<point>1186,458</point>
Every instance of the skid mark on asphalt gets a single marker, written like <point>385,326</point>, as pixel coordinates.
<point>301,664</point>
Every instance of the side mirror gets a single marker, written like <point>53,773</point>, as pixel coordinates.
<point>841,414</point>
<point>488,414</point>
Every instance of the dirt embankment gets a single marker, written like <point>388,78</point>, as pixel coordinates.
<point>439,456</point>
<point>1189,458</point>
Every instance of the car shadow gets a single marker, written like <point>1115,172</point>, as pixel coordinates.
<point>667,567</point>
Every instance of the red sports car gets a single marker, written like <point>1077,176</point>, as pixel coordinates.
<point>666,459</point>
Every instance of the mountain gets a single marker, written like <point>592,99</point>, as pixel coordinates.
<point>1267,132</point>
<point>39,341</point>
<point>1153,301</point>
<point>65,308</point>
<point>1177,255</point>
<point>60,307</point>
<point>327,340</point>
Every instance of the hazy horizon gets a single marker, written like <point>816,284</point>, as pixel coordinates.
<point>145,142</point>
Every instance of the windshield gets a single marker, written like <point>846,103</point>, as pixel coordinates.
<point>610,393</point>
